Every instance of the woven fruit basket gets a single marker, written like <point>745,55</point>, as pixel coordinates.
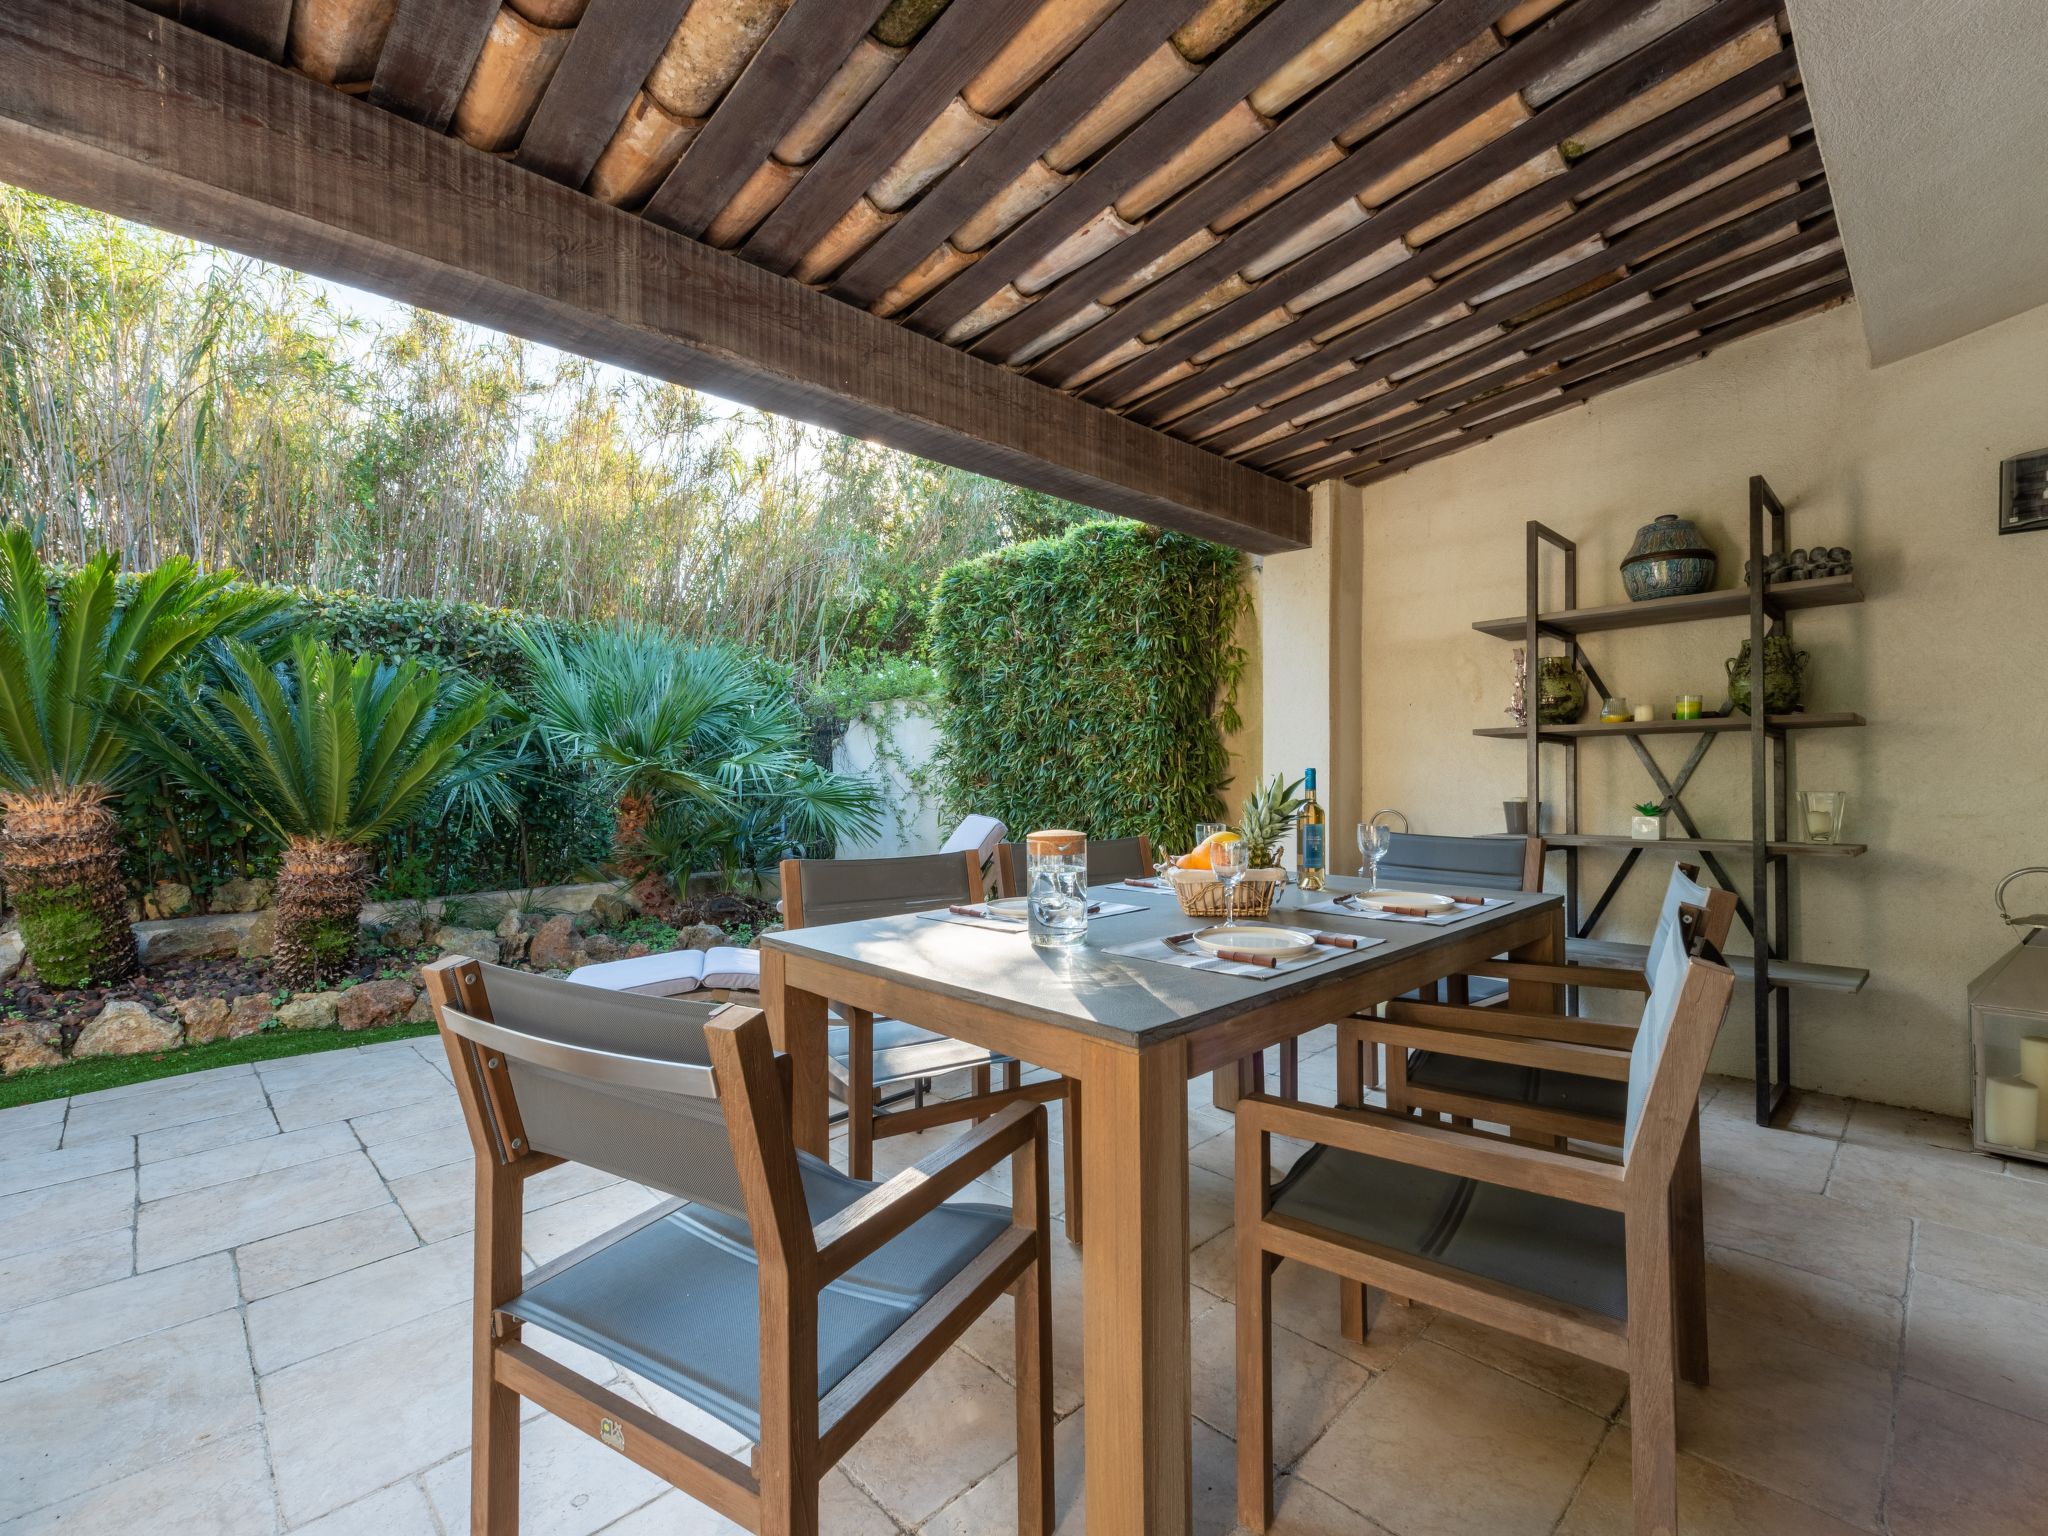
<point>1200,893</point>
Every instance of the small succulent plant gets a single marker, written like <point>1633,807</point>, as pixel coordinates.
<point>1649,808</point>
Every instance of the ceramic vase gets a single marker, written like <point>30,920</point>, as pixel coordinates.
<point>1560,691</point>
<point>1784,677</point>
<point>1668,559</point>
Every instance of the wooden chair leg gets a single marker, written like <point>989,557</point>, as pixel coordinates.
<point>860,1093</point>
<point>1397,1082</point>
<point>1371,1068</point>
<point>1352,1051</point>
<point>1290,1069</point>
<point>1013,1075</point>
<point>1354,1309</point>
<point>1254,1342</point>
<point>1251,1074</point>
<point>978,1086</point>
<point>494,1432</point>
<point>1652,1390</point>
<point>1071,1144</point>
<point>1033,1293</point>
<point>1689,1258</point>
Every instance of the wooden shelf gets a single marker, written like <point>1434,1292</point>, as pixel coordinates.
<point>1803,722</point>
<point>1786,596</point>
<point>1703,844</point>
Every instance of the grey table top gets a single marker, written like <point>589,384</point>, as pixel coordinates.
<point>1089,990</point>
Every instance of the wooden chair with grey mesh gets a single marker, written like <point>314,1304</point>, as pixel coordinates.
<point>1566,1250</point>
<point>870,1055</point>
<point>787,1301</point>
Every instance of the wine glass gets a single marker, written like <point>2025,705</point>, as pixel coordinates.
<point>1231,859</point>
<point>1374,840</point>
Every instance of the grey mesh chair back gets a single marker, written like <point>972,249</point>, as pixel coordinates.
<point>611,1079</point>
<point>854,890</point>
<point>1683,892</point>
<point>1109,858</point>
<point>1488,863</point>
<point>1671,960</point>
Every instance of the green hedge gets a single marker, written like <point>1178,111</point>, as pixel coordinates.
<point>562,828</point>
<point>1089,680</point>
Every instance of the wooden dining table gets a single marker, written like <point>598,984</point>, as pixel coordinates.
<point>1133,1033</point>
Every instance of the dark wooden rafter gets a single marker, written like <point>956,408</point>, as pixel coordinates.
<point>1555,123</point>
<point>1353,93</point>
<point>614,46</point>
<point>803,52</point>
<point>105,104</point>
<point>1290,390</point>
<point>966,36</point>
<point>261,26</point>
<point>1542,343</point>
<point>427,58</point>
<point>1098,64</point>
<point>1777,314</point>
<point>1227,80</point>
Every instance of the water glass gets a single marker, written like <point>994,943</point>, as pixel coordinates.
<point>1204,830</point>
<point>1821,812</point>
<point>1231,859</point>
<point>1373,842</point>
<point>1056,875</point>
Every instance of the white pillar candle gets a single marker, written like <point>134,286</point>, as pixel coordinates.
<point>1820,824</point>
<point>2034,1068</point>
<point>2011,1108</point>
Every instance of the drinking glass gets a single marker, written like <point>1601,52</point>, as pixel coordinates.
<point>1204,830</point>
<point>1373,842</point>
<point>1231,860</point>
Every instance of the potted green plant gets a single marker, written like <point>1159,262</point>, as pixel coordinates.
<point>1647,824</point>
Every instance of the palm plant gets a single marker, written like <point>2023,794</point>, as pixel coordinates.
<point>326,751</point>
<point>703,750</point>
<point>66,669</point>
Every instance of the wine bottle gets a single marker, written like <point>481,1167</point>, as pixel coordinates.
<point>1311,852</point>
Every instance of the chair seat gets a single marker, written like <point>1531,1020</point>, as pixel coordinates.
<point>678,1301</point>
<point>1564,1091</point>
<point>904,1052</point>
<point>1570,1253</point>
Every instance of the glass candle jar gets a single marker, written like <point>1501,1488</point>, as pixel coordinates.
<point>1056,876</point>
<point>1613,711</point>
<point>1821,812</point>
<point>1687,706</point>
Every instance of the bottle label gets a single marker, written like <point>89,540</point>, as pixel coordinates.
<point>1311,847</point>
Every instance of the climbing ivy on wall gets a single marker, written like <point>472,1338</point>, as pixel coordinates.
<point>1089,680</point>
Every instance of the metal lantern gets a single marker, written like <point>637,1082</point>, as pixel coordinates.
<point>2009,1040</point>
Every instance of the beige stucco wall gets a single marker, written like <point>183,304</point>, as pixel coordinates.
<point>1946,658</point>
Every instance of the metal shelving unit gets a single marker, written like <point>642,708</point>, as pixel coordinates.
<point>1767,912</point>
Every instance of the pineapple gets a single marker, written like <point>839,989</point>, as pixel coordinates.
<point>1269,813</point>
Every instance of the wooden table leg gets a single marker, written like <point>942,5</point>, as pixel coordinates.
<point>1546,949</point>
<point>796,1020</point>
<point>1135,1292</point>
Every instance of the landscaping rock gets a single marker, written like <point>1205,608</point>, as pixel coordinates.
<point>597,948</point>
<point>11,951</point>
<point>401,930</point>
<point>205,1018</point>
<point>554,946</point>
<point>26,1046</point>
<point>261,937</point>
<point>699,936</point>
<point>651,895</point>
<point>240,895</point>
<point>369,1004</point>
<point>477,943</point>
<point>194,938</point>
<point>167,898</point>
<point>126,1028</point>
<point>248,1014</point>
<point>316,1010</point>
<point>609,911</point>
<point>422,1011</point>
<point>512,938</point>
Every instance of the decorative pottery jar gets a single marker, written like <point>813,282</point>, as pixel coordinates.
<point>1560,691</point>
<point>1784,677</point>
<point>1668,559</point>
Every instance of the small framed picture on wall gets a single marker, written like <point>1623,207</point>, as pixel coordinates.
<point>2023,493</point>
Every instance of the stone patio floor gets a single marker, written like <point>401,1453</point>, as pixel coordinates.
<point>236,1303</point>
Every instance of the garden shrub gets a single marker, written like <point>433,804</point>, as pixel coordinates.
<point>1089,680</point>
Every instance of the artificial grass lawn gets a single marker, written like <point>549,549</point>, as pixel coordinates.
<point>114,1071</point>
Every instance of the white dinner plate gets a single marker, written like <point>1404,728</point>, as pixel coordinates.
<point>1254,939</point>
<point>1421,901</point>
<point>1017,908</point>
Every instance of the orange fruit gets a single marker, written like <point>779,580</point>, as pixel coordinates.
<point>1200,858</point>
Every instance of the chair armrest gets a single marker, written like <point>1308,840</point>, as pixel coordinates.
<point>844,1240</point>
<point>1545,1055</point>
<point>1606,978</point>
<point>1465,1154</point>
<point>1506,1021</point>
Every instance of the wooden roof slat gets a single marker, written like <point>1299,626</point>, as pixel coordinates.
<point>1764,319</point>
<point>1554,124</point>
<point>1228,78</point>
<point>261,26</point>
<point>610,52</point>
<point>1552,340</point>
<point>780,82</point>
<point>1666,180</point>
<point>427,58</point>
<point>966,36</point>
<point>1102,61</point>
<point>1377,77</point>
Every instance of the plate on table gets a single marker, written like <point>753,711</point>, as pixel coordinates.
<point>1016,908</point>
<point>1416,901</point>
<point>1255,939</point>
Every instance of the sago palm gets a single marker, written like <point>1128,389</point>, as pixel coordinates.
<point>326,751</point>
<point>66,668</point>
<point>697,742</point>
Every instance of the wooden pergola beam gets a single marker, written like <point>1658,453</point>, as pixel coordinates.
<point>108,105</point>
